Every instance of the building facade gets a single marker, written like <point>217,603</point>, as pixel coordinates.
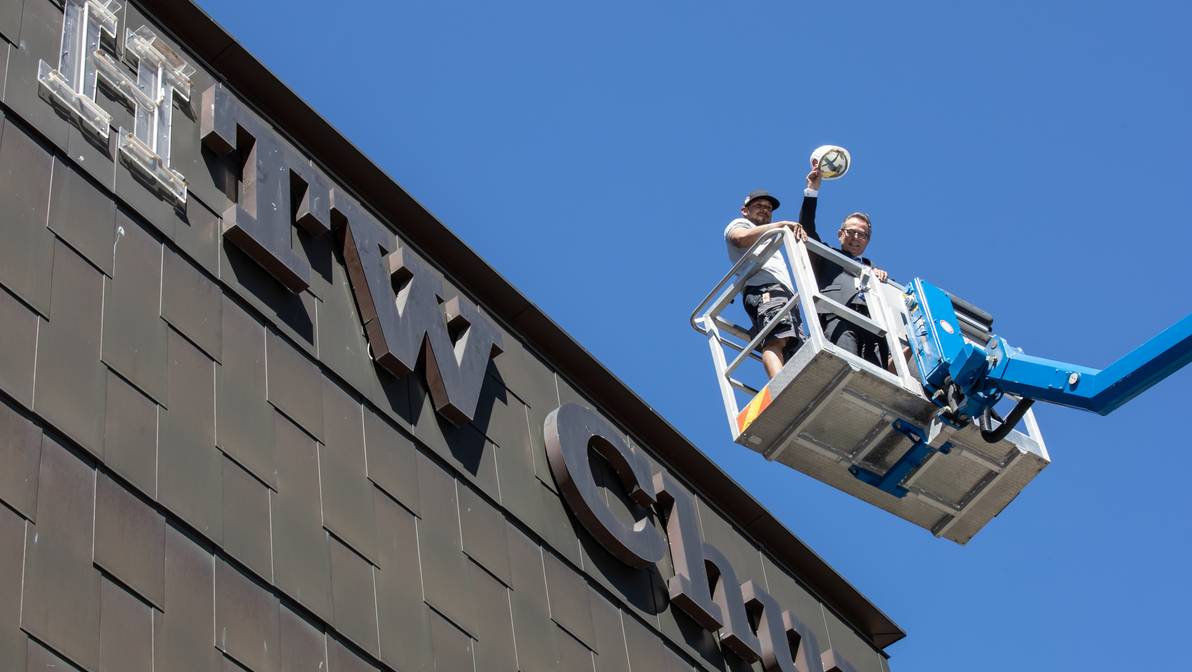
<point>260,411</point>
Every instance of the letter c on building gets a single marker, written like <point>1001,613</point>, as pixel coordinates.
<point>570,430</point>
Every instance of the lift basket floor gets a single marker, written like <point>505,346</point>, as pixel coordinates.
<point>823,414</point>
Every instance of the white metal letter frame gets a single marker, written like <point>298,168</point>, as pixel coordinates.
<point>89,25</point>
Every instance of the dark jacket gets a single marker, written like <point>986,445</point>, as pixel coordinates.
<point>834,281</point>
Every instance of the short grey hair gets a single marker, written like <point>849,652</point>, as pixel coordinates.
<point>861,216</point>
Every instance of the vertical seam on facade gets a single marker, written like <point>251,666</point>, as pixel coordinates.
<point>472,646</point>
<point>50,193</point>
<point>8,53</point>
<point>103,311</point>
<point>265,335</point>
<point>530,430</point>
<point>765,576</point>
<point>624,638</point>
<point>377,606</point>
<point>513,627</point>
<point>418,546</point>
<point>157,444</point>
<point>152,640</point>
<point>215,366</point>
<point>272,566</point>
<point>363,439</point>
<point>316,343</point>
<point>827,628</point>
<point>24,562</point>
<point>214,607</point>
<point>36,347</point>
<point>161,278</point>
<point>545,583</point>
<point>497,473</point>
<point>459,519</point>
<point>319,473</point>
<point>53,255</point>
<point>94,508</point>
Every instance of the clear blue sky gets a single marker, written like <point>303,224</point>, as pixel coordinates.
<point>1031,156</point>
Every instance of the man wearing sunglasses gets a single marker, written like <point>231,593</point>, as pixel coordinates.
<point>837,283</point>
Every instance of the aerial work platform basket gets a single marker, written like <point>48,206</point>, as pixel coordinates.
<point>856,426</point>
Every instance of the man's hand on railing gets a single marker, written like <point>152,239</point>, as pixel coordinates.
<point>881,275</point>
<point>796,227</point>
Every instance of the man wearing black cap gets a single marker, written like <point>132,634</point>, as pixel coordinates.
<point>769,289</point>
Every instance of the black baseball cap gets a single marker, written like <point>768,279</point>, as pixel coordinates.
<point>761,193</point>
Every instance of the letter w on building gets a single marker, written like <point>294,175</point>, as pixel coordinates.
<point>400,298</point>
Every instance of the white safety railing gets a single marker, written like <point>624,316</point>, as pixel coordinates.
<point>883,300</point>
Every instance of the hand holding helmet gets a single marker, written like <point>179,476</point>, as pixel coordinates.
<point>830,162</point>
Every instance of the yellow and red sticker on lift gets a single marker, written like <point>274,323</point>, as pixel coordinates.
<point>754,409</point>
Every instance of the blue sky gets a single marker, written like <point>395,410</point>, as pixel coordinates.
<point>1032,157</point>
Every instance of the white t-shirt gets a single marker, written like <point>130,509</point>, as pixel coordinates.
<point>773,271</point>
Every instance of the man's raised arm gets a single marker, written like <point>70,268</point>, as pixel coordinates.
<point>810,200</point>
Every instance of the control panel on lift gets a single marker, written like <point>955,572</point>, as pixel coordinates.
<point>921,437</point>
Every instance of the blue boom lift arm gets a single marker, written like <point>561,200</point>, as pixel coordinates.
<point>967,380</point>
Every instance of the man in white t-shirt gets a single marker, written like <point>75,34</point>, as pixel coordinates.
<point>769,289</point>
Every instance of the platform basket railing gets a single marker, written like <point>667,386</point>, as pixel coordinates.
<point>887,319</point>
<point>724,335</point>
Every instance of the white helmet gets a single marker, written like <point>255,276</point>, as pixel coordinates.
<point>833,161</point>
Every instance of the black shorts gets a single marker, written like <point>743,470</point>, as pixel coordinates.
<point>762,304</point>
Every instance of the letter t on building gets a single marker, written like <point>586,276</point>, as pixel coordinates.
<point>278,188</point>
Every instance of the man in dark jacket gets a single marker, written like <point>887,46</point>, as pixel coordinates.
<point>838,284</point>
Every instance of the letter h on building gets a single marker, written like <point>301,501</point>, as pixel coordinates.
<point>87,27</point>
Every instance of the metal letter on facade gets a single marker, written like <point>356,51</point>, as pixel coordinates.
<point>278,188</point>
<point>830,661</point>
<point>398,295</point>
<point>85,23</point>
<point>689,588</point>
<point>88,25</point>
<point>805,646</point>
<point>161,75</point>
<point>771,630</point>
<point>736,634</point>
<point>570,430</point>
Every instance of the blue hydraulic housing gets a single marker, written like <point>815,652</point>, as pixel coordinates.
<point>941,353</point>
<point>969,378</point>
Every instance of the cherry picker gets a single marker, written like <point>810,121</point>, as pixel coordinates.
<point>925,440</point>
